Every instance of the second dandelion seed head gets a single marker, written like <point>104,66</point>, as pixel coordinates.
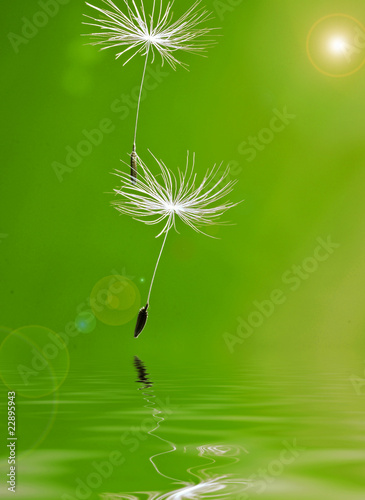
<point>154,199</point>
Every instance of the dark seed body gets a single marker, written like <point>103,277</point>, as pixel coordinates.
<point>133,166</point>
<point>141,321</point>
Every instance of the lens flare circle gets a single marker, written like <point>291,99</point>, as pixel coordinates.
<point>34,361</point>
<point>336,45</point>
<point>115,300</point>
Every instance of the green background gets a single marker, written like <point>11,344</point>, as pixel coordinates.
<point>60,236</point>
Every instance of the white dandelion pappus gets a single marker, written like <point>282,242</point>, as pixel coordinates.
<point>164,198</point>
<point>131,31</point>
<point>153,201</point>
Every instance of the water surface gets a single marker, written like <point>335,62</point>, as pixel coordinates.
<point>146,432</point>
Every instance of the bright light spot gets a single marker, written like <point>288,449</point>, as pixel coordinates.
<point>172,207</point>
<point>150,38</point>
<point>338,45</point>
<point>191,491</point>
<point>85,322</point>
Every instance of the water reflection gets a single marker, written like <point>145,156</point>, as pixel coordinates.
<point>142,373</point>
<point>149,396</point>
<point>215,488</point>
<point>205,416</point>
<point>227,455</point>
<point>205,483</point>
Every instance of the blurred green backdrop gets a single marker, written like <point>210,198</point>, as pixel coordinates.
<point>60,236</point>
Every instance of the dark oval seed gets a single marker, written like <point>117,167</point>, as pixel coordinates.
<point>141,321</point>
<point>133,166</point>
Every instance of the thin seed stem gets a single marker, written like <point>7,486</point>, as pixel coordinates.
<point>139,98</point>
<point>154,273</point>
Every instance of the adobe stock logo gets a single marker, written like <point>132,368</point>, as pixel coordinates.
<point>91,139</point>
<point>292,280</point>
<point>264,477</point>
<point>40,19</point>
<point>278,123</point>
<point>222,7</point>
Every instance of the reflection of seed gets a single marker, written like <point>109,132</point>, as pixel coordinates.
<point>134,165</point>
<point>141,320</point>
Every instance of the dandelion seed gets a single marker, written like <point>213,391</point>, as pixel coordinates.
<point>134,165</point>
<point>141,321</point>
<point>131,31</point>
<point>167,197</point>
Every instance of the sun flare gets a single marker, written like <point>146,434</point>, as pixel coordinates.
<point>337,45</point>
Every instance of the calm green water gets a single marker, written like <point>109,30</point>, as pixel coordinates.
<point>150,432</point>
